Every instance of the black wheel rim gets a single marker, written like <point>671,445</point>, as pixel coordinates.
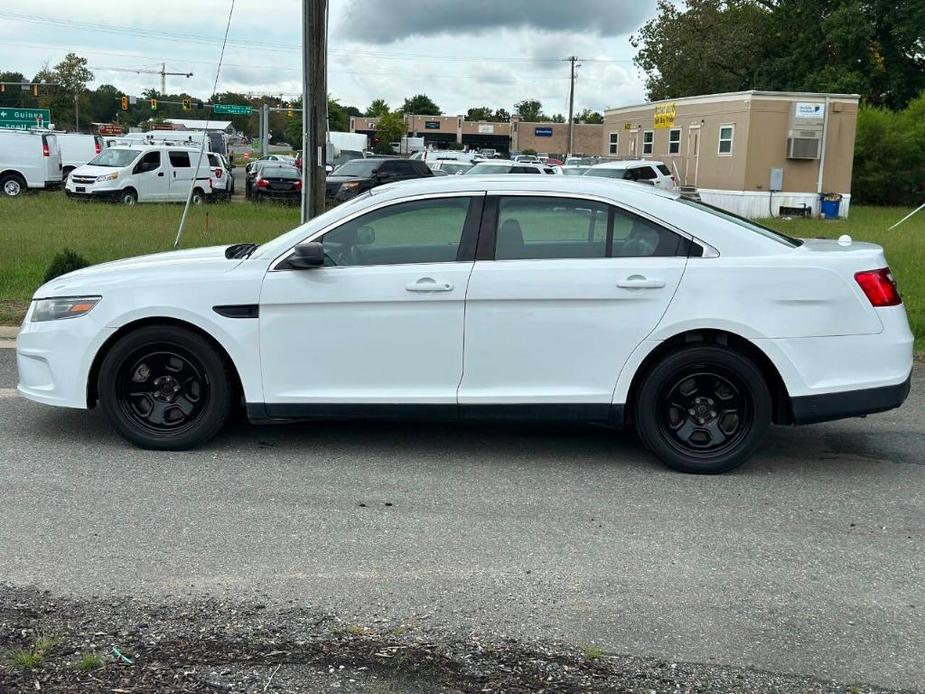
<point>162,389</point>
<point>705,412</point>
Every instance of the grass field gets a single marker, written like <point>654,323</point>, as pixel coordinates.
<point>33,229</point>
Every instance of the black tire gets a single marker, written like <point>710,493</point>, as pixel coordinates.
<point>703,409</point>
<point>127,197</point>
<point>165,388</point>
<point>199,197</point>
<point>12,186</point>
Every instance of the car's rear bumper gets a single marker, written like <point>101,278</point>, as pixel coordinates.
<point>810,409</point>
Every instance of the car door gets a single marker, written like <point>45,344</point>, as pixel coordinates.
<point>151,177</point>
<point>181,173</point>
<point>564,290</point>
<point>379,328</point>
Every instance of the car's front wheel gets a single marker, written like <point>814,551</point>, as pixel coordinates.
<point>703,409</point>
<point>165,387</point>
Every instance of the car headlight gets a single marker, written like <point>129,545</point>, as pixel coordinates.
<point>350,185</point>
<point>63,307</point>
<point>107,177</point>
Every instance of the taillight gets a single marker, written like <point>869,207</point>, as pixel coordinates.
<point>879,287</point>
<point>218,172</point>
<point>262,183</point>
<point>45,150</point>
<point>98,148</point>
<point>298,184</point>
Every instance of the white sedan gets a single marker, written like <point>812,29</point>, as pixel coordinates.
<point>505,297</point>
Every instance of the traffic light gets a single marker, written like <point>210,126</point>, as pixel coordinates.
<point>187,104</point>
<point>289,112</point>
<point>153,104</point>
<point>125,103</point>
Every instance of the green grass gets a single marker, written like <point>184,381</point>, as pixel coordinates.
<point>89,661</point>
<point>591,652</point>
<point>27,658</point>
<point>904,248</point>
<point>33,229</point>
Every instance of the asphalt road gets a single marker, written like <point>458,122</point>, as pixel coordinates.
<point>809,560</point>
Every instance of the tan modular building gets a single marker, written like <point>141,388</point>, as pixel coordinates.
<point>748,152</point>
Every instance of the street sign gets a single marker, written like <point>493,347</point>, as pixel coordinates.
<point>232,109</point>
<point>24,118</point>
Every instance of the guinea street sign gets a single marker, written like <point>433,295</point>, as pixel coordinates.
<point>24,118</point>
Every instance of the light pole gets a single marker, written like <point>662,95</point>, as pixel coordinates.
<point>314,105</point>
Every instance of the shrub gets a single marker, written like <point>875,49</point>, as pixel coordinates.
<point>64,262</point>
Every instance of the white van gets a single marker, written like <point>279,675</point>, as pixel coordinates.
<point>144,173</point>
<point>77,150</point>
<point>28,159</point>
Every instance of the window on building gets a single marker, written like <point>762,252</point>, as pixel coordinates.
<point>648,140</point>
<point>674,141</point>
<point>726,135</point>
<point>614,143</point>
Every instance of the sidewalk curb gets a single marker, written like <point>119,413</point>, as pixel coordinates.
<point>8,332</point>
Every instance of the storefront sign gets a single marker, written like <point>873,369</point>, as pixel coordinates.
<point>432,125</point>
<point>665,115</point>
<point>542,132</point>
<point>486,129</point>
<point>804,109</point>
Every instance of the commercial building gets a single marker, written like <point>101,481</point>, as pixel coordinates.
<point>748,152</point>
<point>517,135</point>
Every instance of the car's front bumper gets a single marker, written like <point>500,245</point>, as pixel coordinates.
<point>54,359</point>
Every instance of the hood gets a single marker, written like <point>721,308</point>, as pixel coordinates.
<point>87,170</point>
<point>342,179</point>
<point>158,267</point>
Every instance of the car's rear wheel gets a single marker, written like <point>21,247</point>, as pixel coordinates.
<point>12,185</point>
<point>198,197</point>
<point>703,409</point>
<point>165,388</point>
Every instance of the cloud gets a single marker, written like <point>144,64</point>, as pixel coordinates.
<point>385,22</point>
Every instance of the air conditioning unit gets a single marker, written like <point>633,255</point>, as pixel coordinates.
<point>804,143</point>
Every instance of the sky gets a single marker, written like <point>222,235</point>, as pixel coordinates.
<point>461,53</point>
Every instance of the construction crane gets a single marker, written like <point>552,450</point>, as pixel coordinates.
<point>162,72</point>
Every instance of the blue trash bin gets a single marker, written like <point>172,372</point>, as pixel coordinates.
<point>829,205</point>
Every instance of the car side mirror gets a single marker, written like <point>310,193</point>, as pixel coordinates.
<point>306,256</point>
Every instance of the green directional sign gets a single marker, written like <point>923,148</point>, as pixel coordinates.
<point>232,109</point>
<point>24,118</point>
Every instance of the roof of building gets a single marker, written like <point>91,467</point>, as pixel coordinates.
<point>735,96</point>
<point>190,124</point>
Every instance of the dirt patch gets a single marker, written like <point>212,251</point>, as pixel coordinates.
<point>49,644</point>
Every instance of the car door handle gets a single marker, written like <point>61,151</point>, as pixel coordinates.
<point>640,282</point>
<point>161,173</point>
<point>429,284</point>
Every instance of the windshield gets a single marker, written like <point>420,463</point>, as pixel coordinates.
<point>488,169</point>
<point>360,168</point>
<point>605,172</point>
<point>454,167</point>
<point>281,172</point>
<point>115,157</point>
<point>569,171</point>
<point>745,223</point>
<point>345,156</point>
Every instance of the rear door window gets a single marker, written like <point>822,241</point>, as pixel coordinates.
<point>644,173</point>
<point>179,160</point>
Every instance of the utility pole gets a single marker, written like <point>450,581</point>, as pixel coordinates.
<point>264,130</point>
<point>571,106</point>
<point>314,105</point>
<point>76,112</point>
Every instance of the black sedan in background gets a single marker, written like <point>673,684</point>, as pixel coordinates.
<point>359,175</point>
<point>282,183</point>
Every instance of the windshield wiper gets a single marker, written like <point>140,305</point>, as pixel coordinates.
<point>240,250</point>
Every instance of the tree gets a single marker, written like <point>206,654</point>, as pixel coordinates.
<point>872,47</point>
<point>13,95</point>
<point>420,105</point>
<point>479,113</point>
<point>390,128</point>
<point>589,116</point>
<point>501,116</point>
<point>377,108</point>
<point>530,110</point>
<point>338,120</point>
<point>71,77</point>
<point>558,118</point>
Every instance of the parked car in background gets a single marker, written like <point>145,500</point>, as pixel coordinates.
<point>359,175</point>
<point>530,298</point>
<point>280,183</point>
<point>642,171</point>
<point>509,167</point>
<point>527,159</point>
<point>144,173</point>
<point>76,150</point>
<point>222,177</point>
<point>29,160</point>
<point>573,170</point>
<point>449,166</point>
<point>254,169</point>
